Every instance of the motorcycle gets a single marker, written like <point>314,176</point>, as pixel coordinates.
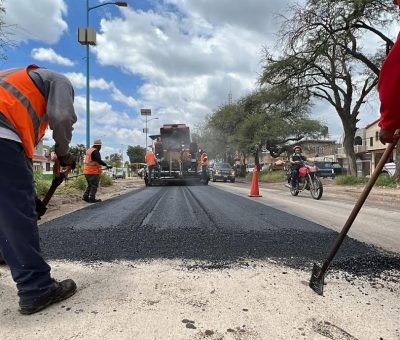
<point>308,180</point>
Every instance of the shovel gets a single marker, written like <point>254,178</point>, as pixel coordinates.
<point>318,273</point>
<point>59,176</point>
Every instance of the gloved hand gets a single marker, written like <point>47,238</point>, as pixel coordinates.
<point>67,160</point>
<point>109,166</point>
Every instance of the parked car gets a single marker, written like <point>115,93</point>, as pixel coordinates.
<point>325,169</point>
<point>222,171</point>
<point>119,174</point>
<point>339,170</point>
<point>389,169</point>
<point>249,168</point>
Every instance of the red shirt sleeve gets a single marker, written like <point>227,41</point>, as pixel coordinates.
<point>389,90</point>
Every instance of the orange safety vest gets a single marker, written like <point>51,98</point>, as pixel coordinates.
<point>151,159</point>
<point>91,167</point>
<point>23,106</point>
<point>203,159</point>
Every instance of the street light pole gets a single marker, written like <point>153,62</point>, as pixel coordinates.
<point>116,3</point>
<point>87,84</point>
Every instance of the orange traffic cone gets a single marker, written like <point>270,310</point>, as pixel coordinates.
<point>254,192</point>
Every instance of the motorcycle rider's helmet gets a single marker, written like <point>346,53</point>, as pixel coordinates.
<point>297,147</point>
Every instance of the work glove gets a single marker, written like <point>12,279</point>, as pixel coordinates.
<point>68,160</point>
<point>109,166</point>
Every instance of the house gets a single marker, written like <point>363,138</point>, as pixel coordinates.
<point>368,149</point>
<point>41,159</point>
<point>313,149</point>
<point>374,146</point>
<point>319,149</point>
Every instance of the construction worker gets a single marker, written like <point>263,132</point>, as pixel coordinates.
<point>151,162</point>
<point>92,171</point>
<point>388,88</point>
<point>31,99</point>
<point>204,165</point>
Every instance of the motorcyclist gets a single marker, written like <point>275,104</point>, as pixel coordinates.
<point>296,161</point>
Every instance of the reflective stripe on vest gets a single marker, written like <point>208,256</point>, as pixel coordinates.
<point>23,107</point>
<point>91,167</point>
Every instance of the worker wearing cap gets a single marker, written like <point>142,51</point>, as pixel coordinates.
<point>389,89</point>
<point>92,171</point>
<point>151,162</point>
<point>204,165</point>
<point>31,99</point>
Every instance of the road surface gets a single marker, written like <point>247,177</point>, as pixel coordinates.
<point>199,262</point>
<point>377,223</point>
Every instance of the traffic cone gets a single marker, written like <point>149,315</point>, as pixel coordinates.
<point>254,192</point>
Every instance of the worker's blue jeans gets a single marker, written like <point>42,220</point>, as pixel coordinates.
<point>19,238</point>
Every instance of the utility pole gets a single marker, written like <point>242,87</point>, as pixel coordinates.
<point>146,113</point>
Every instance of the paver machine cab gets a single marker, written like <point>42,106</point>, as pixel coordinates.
<point>177,156</point>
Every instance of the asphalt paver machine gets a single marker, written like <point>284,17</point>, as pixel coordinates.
<point>178,157</point>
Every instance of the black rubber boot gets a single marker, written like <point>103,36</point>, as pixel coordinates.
<point>94,200</point>
<point>64,290</point>
<point>85,198</point>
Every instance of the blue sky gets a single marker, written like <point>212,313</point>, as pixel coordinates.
<point>180,58</point>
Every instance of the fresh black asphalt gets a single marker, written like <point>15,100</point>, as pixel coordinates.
<point>201,223</point>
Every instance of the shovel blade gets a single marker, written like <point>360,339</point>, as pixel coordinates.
<point>317,280</point>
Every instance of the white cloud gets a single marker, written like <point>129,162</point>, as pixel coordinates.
<point>48,54</point>
<point>78,80</point>
<point>189,59</point>
<point>40,20</point>
<point>114,127</point>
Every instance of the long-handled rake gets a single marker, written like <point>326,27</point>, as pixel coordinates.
<point>318,273</point>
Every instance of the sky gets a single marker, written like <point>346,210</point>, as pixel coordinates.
<point>179,58</point>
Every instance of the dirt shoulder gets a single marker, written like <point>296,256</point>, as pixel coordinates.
<point>62,204</point>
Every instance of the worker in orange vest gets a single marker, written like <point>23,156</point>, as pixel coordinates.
<point>92,171</point>
<point>204,165</point>
<point>31,99</point>
<point>152,164</point>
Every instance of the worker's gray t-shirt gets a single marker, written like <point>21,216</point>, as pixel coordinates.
<point>59,96</point>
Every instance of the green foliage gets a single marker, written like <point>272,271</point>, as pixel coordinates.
<point>272,117</point>
<point>41,187</point>
<point>79,152</point>
<point>116,160</point>
<point>268,176</point>
<point>78,183</point>
<point>350,180</point>
<point>42,184</point>
<point>382,181</point>
<point>386,181</point>
<point>136,153</point>
<point>105,180</point>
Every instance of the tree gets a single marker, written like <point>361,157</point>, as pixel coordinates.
<point>271,118</point>
<point>136,153</point>
<point>79,152</point>
<point>321,57</point>
<point>5,41</point>
<point>116,160</point>
<point>216,144</point>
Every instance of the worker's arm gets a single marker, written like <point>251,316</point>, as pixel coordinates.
<point>97,158</point>
<point>59,95</point>
<point>389,89</point>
